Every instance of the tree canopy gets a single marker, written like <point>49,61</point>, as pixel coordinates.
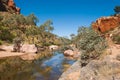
<point>117,9</point>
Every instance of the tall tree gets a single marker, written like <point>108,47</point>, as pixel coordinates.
<point>47,26</point>
<point>32,19</point>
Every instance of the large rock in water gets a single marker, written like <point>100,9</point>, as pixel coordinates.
<point>105,24</point>
<point>68,53</point>
<point>72,53</point>
<point>27,48</point>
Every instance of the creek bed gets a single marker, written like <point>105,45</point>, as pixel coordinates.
<point>49,68</point>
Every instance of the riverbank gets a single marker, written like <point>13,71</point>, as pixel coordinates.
<point>106,68</point>
<point>23,56</point>
<point>7,51</point>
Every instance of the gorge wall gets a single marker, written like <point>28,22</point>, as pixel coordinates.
<point>9,6</point>
<point>105,24</point>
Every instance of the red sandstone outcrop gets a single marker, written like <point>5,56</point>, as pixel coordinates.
<point>9,6</point>
<point>105,24</point>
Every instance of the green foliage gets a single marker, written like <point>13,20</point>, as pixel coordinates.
<point>17,44</point>
<point>12,25</point>
<point>32,30</point>
<point>6,35</point>
<point>1,18</point>
<point>1,42</point>
<point>32,19</point>
<point>47,26</point>
<point>90,44</point>
<point>116,38</point>
<point>117,9</point>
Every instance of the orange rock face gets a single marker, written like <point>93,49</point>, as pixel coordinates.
<point>105,24</point>
<point>12,5</point>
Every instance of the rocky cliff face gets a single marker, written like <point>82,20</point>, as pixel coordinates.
<point>105,24</point>
<point>9,6</point>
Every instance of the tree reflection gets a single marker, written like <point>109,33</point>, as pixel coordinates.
<point>15,69</point>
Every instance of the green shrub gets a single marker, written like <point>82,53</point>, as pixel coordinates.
<point>1,42</point>
<point>91,44</point>
<point>17,44</point>
<point>116,38</point>
<point>5,34</point>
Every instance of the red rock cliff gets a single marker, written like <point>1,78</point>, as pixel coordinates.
<point>105,24</point>
<point>9,6</point>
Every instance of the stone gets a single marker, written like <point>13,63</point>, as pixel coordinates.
<point>27,48</point>
<point>73,73</point>
<point>68,53</point>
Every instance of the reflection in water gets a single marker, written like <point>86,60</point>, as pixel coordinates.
<point>52,68</point>
<point>49,68</point>
<point>15,69</point>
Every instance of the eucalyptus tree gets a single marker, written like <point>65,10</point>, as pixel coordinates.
<point>31,19</point>
<point>45,31</point>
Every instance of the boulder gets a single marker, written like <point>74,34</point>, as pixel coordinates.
<point>101,70</point>
<point>73,73</point>
<point>72,53</point>
<point>68,53</point>
<point>27,48</point>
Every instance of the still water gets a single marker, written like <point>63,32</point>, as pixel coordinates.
<point>49,68</point>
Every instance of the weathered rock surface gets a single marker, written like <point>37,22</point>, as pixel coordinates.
<point>73,73</point>
<point>27,48</point>
<point>101,70</point>
<point>106,69</point>
<point>104,24</point>
<point>9,6</point>
<point>71,53</point>
<point>68,53</point>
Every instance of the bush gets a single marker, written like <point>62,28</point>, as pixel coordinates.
<point>17,44</point>
<point>1,42</point>
<point>116,38</point>
<point>5,34</point>
<point>91,44</point>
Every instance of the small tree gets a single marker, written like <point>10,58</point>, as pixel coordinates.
<point>90,44</point>
<point>17,44</point>
<point>117,9</point>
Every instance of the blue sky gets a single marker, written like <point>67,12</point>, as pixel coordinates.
<point>67,15</point>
